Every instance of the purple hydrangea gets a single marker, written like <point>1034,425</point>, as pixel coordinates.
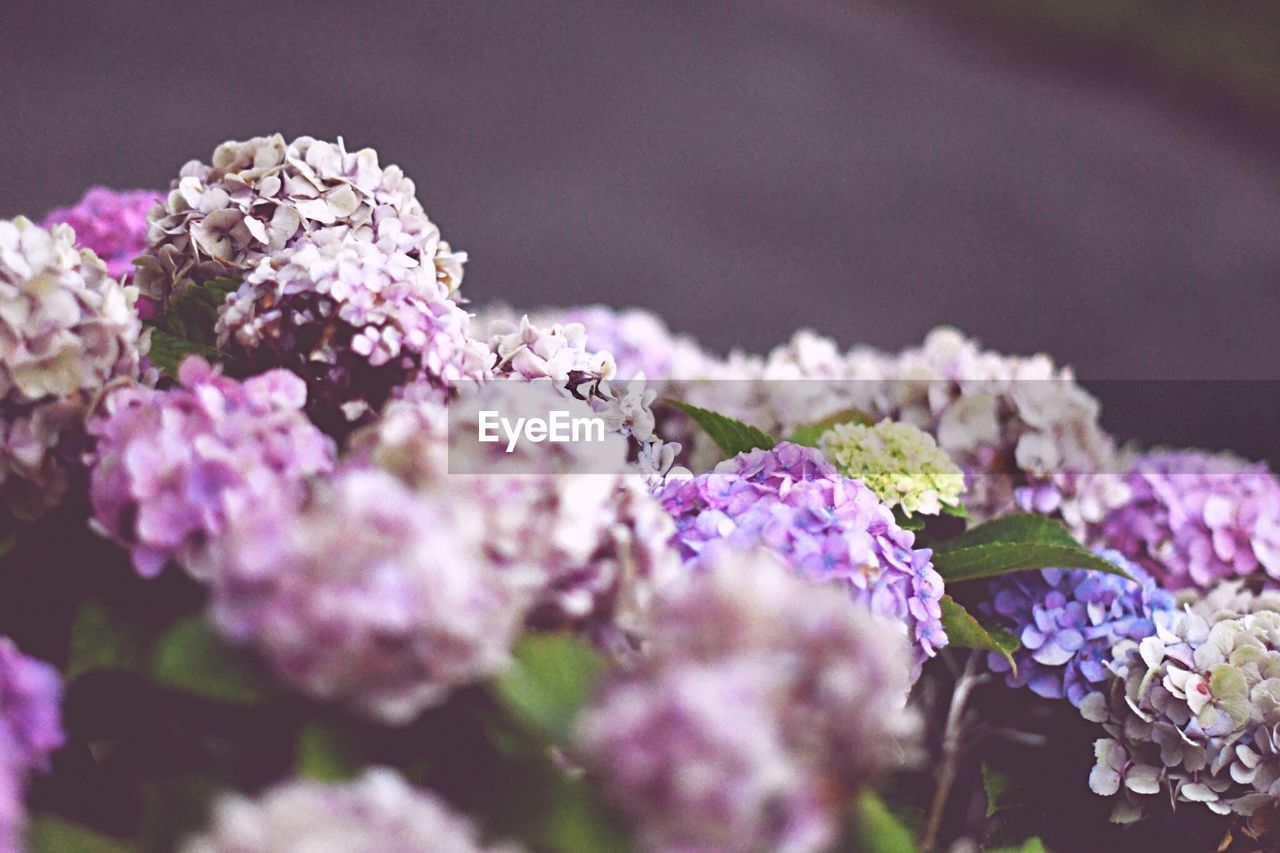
<point>1068,621</point>
<point>372,594</point>
<point>378,811</point>
<point>110,223</point>
<point>173,469</point>
<point>791,500</point>
<point>30,731</point>
<point>814,690</point>
<point>1197,518</point>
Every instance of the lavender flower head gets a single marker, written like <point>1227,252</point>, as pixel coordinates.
<point>377,811</point>
<point>263,195</point>
<point>372,594</point>
<point>355,321</point>
<point>30,731</point>
<point>1197,518</point>
<point>1068,621</point>
<point>173,469</point>
<point>792,501</point>
<point>586,541</point>
<point>814,693</point>
<point>67,332</point>
<point>111,224</point>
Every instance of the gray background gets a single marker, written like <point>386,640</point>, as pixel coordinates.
<point>744,169</point>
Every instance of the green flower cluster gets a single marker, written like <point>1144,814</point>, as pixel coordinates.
<point>900,462</point>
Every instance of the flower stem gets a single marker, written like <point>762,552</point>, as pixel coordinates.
<point>951,748</point>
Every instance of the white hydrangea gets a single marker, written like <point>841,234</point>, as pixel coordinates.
<point>262,195</point>
<point>900,462</point>
<point>67,331</point>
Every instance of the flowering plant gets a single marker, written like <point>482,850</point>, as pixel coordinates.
<point>266,585</point>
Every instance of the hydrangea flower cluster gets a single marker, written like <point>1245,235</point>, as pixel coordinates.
<point>173,469</point>
<point>792,501</point>
<point>371,594</point>
<point>1192,715</point>
<point>900,462</point>
<point>639,341</point>
<point>67,332</point>
<point>560,353</point>
<point>30,731</point>
<point>111,224</point>
<point>1196,518</point>
<point>355,321</point>
<point>588,545</point>
<point>377,811</point>
<point>802,381</point>
<point>1022,429</point>
<point>1024,432</point>
<point>601,550</point>
<point>1068,621</point>
<point>814,693</point>
<point>263,195</point>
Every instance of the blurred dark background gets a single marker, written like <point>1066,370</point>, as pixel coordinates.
<point>1097,179</point>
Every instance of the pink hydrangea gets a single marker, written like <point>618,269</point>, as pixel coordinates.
<point>378,811</point>
<point>762,701</point>
<point>30,731</point>
<point>172,469</point>
<point>354,320</point>
<point>372,595</point>
<point>1198,518</point>
<point>110,223</point>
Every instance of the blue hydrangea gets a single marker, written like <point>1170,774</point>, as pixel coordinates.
<point>1068,621</point>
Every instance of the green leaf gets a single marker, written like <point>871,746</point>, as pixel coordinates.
<point>1015,543</point>
<point>966,632</point>
<point>168,351</point>
<point>103,641</point>
<point>323,754</point>
<point>731,436</point>
<point>996,785</point>
<point>578,820</point>
<point>187,326</point>
<point>551,678</point>
<point>48,834</point>
<point>809,434</point>
<point>191,658</point>
<point>914,523</point>
<point>876,829</point>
